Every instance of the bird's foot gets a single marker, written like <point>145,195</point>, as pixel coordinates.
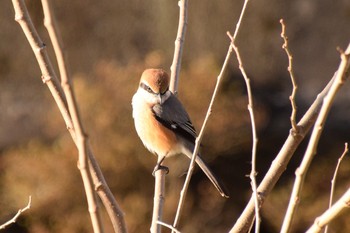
<point>160,167</point>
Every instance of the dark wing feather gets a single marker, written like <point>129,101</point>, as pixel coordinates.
<point>173,116</point>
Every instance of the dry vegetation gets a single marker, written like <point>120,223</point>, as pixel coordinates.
<point>109,45</point>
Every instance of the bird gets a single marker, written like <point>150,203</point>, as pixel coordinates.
<point>162,123</point>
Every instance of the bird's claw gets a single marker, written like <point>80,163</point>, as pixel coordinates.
<point>160,167</point>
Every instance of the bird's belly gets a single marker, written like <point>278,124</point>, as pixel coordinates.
<point>156,138</point>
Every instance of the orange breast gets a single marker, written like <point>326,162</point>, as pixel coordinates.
<point>157,138</point>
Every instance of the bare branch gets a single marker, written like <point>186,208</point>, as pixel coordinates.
<point>14,219</point>
<point>292,77</point>
<point>169,226</point>
<point>50,79</point>
<point>346,150</point>
<point>198,141</point>
<point>255,138</point>
<point>252,118</point>
<point>174,78</point>
<point>238,25</point>
<point>158,202</point>
<point>50,24</point>
<point>279,164</point>
<point>330,214</point>
<point>180,39</point>
<point>200,135</point>
<point>313,142</point>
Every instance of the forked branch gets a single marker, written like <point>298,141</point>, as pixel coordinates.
<point>50,24</point>
<point>280,163</point>
<point>331,214</point>
<point>310,152</point>
<point>50,79</point>
<point>255,138</point>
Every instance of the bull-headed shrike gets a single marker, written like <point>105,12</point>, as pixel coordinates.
<point>163,124</point>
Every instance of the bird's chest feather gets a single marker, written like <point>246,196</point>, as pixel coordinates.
<point>156,138</point>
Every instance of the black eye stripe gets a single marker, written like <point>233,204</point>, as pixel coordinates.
<point>146,88</point>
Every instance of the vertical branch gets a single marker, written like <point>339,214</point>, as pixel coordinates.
<point>201,133</point>
<point>50,79</point>
<point>48,75</point>
<point>292,77</point>
<point>198,142</point>
<point>50,24</point>
<point>315,136</point>
<point>346,150</point>
<point>175,68</point>
<point>330,214</point>
<point>158,202</point>
<point>180,39</point>
<point>254,134</point>
<point>252,118</point>
<point>55,37</point>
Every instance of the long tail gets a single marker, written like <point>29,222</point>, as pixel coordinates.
<point>187,150</point>
<point>218,185</point>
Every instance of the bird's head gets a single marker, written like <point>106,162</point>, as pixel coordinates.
<point>154,84</point>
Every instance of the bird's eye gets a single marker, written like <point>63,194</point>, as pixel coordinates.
<point>149,90</point>
<point>146,88</point>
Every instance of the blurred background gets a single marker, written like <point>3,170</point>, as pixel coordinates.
<point>109,44</point>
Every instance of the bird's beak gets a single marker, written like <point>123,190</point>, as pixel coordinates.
<point>160,98</point>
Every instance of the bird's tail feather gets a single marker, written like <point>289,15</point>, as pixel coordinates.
<point>218,185</point>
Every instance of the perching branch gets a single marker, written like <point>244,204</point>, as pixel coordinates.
<point>50,79</point>
<point>330,214</point>
<point>301,171</point>
<point>175,68</point>
<point>180,39</point>
<point>51,26</point>
<point>158,200</point>
<point>292,77</point>
<point>14,219</point>
<point>346,150</point>
<point>201,133</point>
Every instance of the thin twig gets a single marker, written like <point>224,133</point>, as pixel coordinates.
<point>52,28</point>
<point>314,139</point>
<point>334,179</point>
<point>180,39</point>
<point>50,79</point>
<point>198,141</point>
<point>331,214</point>
<point>254,134</point>
<point>279,164</point>
<point>196,148</point>
<point>169,226</point>
<point>201,133</point>
<point>292,77</point>
<point>252,118</point>
<point>14,219</point>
